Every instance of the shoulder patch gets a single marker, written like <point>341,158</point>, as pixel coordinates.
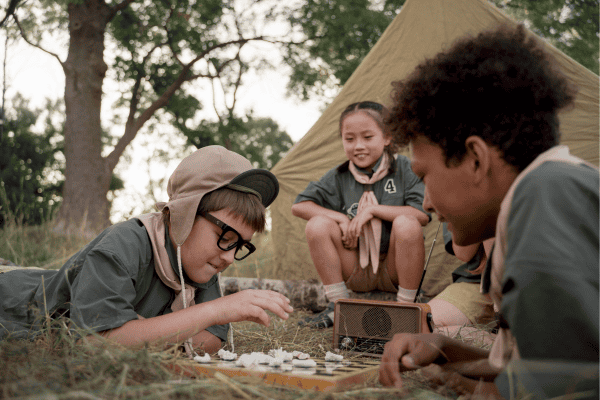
<point>389,186</point>
<point>352,210</point>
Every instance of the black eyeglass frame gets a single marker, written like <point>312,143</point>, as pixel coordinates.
<point>225,229</point>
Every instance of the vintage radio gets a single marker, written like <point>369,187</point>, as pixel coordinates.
<point>365,326</point>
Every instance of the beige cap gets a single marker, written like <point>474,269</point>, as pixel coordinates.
<point>205,170</point>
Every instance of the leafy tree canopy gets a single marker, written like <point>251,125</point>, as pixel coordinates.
<point>159,52</point>
<point>570,25</point>
<point>339,33</point>
<point>29,184</point>
<point>258,139</point>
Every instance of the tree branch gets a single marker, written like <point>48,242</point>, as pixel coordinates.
<point>212,85</point>
<point>238,81</point>
<point>134,125</point>
<point>169,41</point>
<point>35,45</point>
<point>118,7</point>
<point>113,158</point>
<point>10,10</point>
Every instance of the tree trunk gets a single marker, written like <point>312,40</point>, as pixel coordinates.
<point>85,207</point>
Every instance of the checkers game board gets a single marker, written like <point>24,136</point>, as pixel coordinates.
<point>326,376</point>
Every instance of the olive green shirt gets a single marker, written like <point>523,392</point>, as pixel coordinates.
<point>106,284</point>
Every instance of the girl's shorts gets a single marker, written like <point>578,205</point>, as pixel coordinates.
<point>364,280</point>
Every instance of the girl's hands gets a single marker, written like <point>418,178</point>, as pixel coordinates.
<point>357,224</point>
<point>251,305</point>
<point>347,241</point>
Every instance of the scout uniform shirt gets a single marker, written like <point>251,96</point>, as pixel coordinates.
<point>111,281</point>
<point>337,190</point>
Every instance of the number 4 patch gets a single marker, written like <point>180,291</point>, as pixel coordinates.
<point>389,186</point>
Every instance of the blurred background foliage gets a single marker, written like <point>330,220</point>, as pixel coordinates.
<point>158,49</point>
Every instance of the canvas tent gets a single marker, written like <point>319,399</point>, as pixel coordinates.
<point>421,29</point>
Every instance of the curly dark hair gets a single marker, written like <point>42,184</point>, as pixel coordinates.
<point>501,86</point>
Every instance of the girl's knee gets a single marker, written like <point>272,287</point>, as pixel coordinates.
<point>406,227</point>
<point>320,226</point>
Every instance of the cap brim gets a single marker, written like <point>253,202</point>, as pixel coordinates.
<point>260,180</point>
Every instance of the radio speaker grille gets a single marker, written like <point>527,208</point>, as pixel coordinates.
<point>366,326</point>
<point>377,322</point>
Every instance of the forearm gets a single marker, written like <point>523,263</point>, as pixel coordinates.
<point>458,351</point>
<point>169,328</point>
<point>389,213</point>
<point>308,209</point>
<point>207,341</point>
<point>474,369</point>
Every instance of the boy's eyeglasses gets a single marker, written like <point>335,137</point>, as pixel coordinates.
<point>230,239</point>
<point>365,104</point>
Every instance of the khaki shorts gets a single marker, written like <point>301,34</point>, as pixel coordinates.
<point>364,280</point>
<point>467,297</point>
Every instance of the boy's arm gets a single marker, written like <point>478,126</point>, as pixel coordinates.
<point>207,341</point>
<point>247,305</point>
<point>411,351</point>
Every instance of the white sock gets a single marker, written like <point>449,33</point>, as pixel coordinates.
<point>406,295</point>
<point>335,292</point>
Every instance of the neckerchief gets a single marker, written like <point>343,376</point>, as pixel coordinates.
<point>370,234</point>
<point>505,348</point>
<point>155,227</point>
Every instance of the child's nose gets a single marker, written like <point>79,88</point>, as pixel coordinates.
<point>427,206</point>
<point>228,256</point>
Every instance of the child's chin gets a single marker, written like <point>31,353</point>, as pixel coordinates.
<point>362,164</point>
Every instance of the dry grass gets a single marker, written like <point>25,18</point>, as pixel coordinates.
<point>55,366</point>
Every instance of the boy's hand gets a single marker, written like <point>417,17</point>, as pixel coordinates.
<point>250,305</point>
<point>408,351</point>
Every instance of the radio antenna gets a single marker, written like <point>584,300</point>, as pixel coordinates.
<point>427,263</point>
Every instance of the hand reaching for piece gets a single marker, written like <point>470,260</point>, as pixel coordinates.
<point>251,305</point>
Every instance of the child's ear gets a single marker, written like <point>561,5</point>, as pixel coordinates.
<point>387,139</point>
<point>478,155</point>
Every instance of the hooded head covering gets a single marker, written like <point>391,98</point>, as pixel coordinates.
<point>205,170</point>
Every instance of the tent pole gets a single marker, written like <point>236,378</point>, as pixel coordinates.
<point>427,263</point>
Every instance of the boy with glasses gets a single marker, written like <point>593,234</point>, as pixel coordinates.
<point>153,279</point>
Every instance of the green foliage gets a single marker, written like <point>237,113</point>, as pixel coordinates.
<point>26,158</point>
<point>155,40</point>
<point>570,25</point>
<point>258,139</point>
<point>340,33</point>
